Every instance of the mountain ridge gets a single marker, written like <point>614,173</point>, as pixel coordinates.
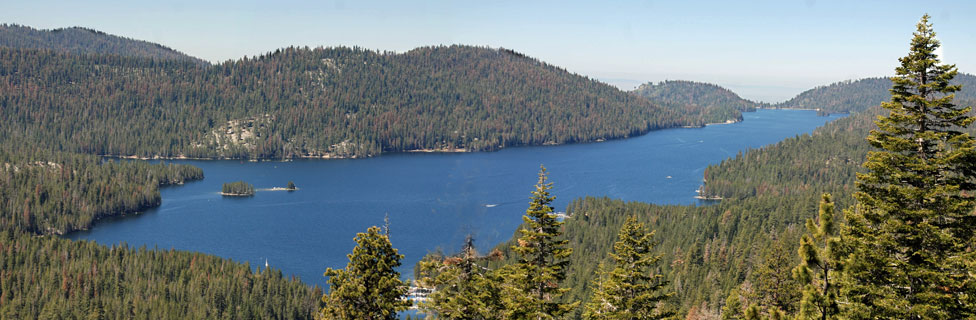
<point>715,104</point>
<point>81,40</point>
<point>323,102</point>
<point>860,94</point>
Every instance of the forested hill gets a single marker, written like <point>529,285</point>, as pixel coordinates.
<point>748,241</point>
<point>824,161</point>
<point>323,102</point>
<point>712,102</point>
<point>43,193</point>
<point>859,95</point>
<point>82,40</point>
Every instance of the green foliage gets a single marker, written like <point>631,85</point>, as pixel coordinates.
<point>822,162</point>
<point>239,188</point>
<point>752,313</point>
<point>775,288</point>
<point>841,97</point>
<point>54,193</point>
<point>755,313</point>
<point>732,310</point>
<point>369,287</point>
<point>49,278</point>
<point>857,95</point>
<point>799,168</point>
<point>316,102</point>
<point>463,287</point>
<point>712,249</point>
<point>628,288</point>
<point>712,103</point>
<point>531,289</point>
<point>301,102</point>
<point>818,267</point>
<point>911,235</point>
<point>709,250</point>
<point>79,40</point>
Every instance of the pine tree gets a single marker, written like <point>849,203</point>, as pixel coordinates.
<point>755,313</point>
<point>817,269</point>
<point>601,304</point>
<point>464,288</point>
<point>911,234</point>
<point>774,285</point>
<point>733,306</point>
<point>629,289</point>
<point>531,289</point>
<point>369,287</point>
<point>752,313</point>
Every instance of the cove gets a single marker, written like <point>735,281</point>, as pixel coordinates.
<point>433,200</point>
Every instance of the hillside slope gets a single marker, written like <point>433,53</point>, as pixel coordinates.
<point>713,103</point>
<point>323,102</point>
<point>709,250</point>
<point>85,41</point>
<point>54,278</point>
<point>42,276</point>
<point>859,95</point>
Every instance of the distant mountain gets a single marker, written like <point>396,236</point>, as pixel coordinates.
<point>712,102</point>
<point>859,95</point>
<point>767,192</point>
<point>840,97</point>
<point>301,102</point>
<point>85,41</point>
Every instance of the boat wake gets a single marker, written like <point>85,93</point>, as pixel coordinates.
<point>275,189</point>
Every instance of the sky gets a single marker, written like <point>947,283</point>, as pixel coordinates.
<point>763,50</point>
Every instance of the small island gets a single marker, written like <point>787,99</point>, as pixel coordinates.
<point>237,189</point>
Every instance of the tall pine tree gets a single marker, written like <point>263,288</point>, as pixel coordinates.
<point>818,267</point>
<point>911,234</point>
<point>465,289</point>
<point>369,287</point>
<point>732,310</point>
<point>774,287</point>
<point>531,289</point>
<point>630,289</point>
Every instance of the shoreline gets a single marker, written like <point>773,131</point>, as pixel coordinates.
<point>236,194</point>
<point>730,121</point>
<point>713,198</point>
<point>825,113</point>
<point>442,150</point>
<point>808,109</point>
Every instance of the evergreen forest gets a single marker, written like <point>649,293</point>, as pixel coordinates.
<point>335,102</point>
<point>714,103</point>
<point>775,247</point>
<point>869,217</point>
<point>239,188</point>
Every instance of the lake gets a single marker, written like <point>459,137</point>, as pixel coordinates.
<point>433,200</point>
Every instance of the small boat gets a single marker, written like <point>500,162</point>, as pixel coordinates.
<point>669,177</point>
<point>491,205</point>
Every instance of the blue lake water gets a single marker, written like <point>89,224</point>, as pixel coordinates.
<point>433,200</point>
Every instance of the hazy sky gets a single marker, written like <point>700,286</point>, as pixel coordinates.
<point>765,50</point>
